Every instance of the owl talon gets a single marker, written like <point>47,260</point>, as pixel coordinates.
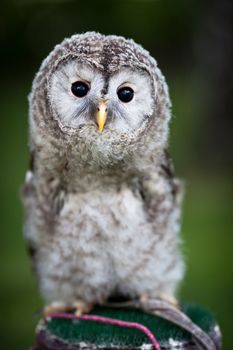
<point>170,299</point>
<point>164,297</point>
<point>82,308</point>
<point>55,307</point>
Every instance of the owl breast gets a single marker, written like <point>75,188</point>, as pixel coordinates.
<point>103,245</point>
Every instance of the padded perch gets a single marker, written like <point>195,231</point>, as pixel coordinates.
<point>65,334</point>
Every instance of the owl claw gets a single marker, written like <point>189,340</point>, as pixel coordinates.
<point>170,299</point>
<point>55,307</point>
<point>82,308</point>
<point>78,307</point>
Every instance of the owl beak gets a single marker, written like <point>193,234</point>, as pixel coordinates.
<point>101,114</point>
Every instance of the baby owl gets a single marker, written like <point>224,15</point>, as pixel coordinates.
<point>101,201</point>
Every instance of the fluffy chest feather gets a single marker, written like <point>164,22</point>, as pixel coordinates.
<point>112,214</point>
<point>113,222</point>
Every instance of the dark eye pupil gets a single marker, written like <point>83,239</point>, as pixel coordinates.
<point>79,88</point>
<point>125,94</point>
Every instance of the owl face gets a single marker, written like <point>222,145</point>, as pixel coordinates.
<point>102,100</point>
<point>84,96</point>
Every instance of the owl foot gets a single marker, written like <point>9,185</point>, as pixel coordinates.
<point>170,299</point>
<point>78,307</point>
<point>82,308</point>
<point>55,307</point>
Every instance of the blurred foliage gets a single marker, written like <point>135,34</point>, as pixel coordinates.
<point>181,35</point>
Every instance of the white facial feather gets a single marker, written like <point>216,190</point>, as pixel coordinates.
<point>131,115</point>
<point>70,110</point>
<point>73,112</point>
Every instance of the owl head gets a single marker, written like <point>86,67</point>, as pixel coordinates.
<point>104,95</point>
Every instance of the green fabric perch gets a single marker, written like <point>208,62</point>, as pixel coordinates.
<point>63,334</point>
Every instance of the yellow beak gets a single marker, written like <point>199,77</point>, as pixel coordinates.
<point>101,115</point>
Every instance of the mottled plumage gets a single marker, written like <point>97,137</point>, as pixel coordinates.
<point>102,208</point>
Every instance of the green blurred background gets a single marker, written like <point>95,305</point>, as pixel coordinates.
<point>193,43</point>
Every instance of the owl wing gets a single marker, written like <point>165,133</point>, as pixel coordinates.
<point>162,193</point>
<point>28,196</point>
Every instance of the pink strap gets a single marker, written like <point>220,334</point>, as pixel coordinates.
<point>112,321</point>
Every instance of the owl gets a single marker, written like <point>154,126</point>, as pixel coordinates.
<point>102,204</point>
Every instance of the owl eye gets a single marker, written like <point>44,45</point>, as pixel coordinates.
<point>125,94</point>
<point>79,88</point>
